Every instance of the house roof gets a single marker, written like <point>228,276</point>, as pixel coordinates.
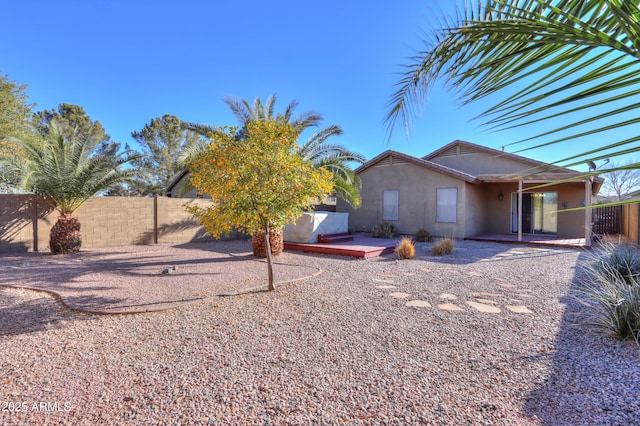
<point>498,153</point>
<point>175,181</point>
<point>419,162</point>
<point>539,171</point>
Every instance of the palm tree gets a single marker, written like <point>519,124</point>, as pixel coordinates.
<point>551,60</point>
<point>246,112</point>
<point>334,157</point>
<point>66,171</point>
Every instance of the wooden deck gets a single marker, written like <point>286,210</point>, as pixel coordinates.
<point>361,246</point>
<point>531,239</point>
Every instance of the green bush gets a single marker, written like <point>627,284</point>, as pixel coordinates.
<point>610,290</point>
<point>442,247</point>
<point>384,230</point>
<point>423,236</point>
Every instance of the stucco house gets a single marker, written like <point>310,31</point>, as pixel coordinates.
<point>463,189</point>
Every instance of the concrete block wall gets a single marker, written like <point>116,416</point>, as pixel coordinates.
<point>26,221</point>
<point>175,224</point>
<point>631,222</point>
<point>17,215</point>
<point>115,221</point>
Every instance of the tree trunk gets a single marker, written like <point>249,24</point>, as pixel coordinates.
<point>65,235</point>
<point>269,259</point>
<point>260,248</point>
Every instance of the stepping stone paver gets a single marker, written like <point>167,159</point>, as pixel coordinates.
<point>486,301</point>
<point>482,307</point>
<point>449,307</point>
<point>385,286</point>
<point>505,285</point>
<point>519,309</point>
<point>387,275</point>
<point>426,270</point>
<point>448,296</point>
<point>476,274</point>
<point>399,295</point>
<point>418,304</point>
<point>485,294</point>
<point>382,281</point>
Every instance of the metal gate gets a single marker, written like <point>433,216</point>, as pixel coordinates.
<point>607,220</point>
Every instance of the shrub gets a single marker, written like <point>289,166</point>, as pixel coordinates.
<point>442,247</point>
<point>384,230</point>
<point>405,248</point>
<point>610,290</point>
<point>620,259</point>
<point>423,236</point>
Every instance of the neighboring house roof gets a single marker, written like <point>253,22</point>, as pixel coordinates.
<point>176,180</point>
<point>635,194</point>
<point>417,161</point>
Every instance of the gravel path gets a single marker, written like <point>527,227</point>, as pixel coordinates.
<point>334,349</point>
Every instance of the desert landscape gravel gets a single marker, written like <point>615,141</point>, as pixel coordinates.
<point>334,348</point>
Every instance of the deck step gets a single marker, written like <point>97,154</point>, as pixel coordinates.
<point>334,238</point>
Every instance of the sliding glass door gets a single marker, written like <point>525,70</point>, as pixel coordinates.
<point>539,212</point>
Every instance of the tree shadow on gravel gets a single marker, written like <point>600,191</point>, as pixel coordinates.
<point>31,268</point>
<point>592,380</point>
<point>24,312</point>
<point>140,280</point>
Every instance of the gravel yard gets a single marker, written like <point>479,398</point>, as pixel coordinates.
<point>341,347</point>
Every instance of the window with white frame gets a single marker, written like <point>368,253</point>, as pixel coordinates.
<point>390,205</point>
<point>446,204</point>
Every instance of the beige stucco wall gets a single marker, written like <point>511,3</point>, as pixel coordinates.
<point>475,213</point>
<point>479,209</point>
<point>26,221</point>
<point>416,187</point>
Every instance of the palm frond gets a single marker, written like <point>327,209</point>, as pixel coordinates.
<point>65,171</point>
<point>547,60</point>
<point>200,129</point>
<point>347,191</point>
<point>239,108</point>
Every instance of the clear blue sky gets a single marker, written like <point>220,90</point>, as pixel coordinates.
<point>127,62</point>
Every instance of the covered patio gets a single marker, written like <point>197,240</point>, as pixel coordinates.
<point>533,239</point>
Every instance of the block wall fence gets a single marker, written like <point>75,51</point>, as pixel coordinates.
<point>631,222</point>
<point>26,220</point>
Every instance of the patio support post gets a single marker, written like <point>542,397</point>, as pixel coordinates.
<point>587,211</point>
<point>520,210</point>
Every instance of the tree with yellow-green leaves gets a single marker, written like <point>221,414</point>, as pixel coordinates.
<point>257,181</point>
